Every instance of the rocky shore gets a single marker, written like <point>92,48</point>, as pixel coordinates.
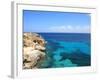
<point>33,50</point>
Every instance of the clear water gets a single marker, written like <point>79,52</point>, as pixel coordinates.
<point>67,50</point>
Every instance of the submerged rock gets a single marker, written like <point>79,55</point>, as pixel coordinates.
<point>33,50</point>
<point>57,57</point>
<point>64,63</point>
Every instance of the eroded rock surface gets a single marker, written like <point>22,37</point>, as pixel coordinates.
<point>33,50</point>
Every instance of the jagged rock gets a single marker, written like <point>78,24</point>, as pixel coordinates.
<point>33,50</point>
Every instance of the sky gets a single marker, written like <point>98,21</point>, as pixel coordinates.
<point>56,22</point>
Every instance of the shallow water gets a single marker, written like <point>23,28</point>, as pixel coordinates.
<point>66,50</point>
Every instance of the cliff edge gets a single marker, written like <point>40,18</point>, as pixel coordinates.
<point>33,50</point>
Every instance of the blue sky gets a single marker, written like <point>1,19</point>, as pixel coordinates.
<point>64,22</point>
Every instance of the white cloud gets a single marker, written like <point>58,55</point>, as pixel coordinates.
<point>70,29</point>
<point>57,28</point>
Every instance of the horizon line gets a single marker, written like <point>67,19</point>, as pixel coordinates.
<point>59,32</point>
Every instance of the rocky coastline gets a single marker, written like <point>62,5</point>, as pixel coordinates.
<point>33,50</point>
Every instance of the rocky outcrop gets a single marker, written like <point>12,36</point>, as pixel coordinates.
<point>33,50</point>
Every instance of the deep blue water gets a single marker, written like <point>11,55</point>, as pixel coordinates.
<point>67,50</point>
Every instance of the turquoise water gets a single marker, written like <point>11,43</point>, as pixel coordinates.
<point>67,50</point>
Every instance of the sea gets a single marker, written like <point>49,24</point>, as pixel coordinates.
<point>67,50</point>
